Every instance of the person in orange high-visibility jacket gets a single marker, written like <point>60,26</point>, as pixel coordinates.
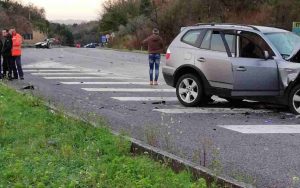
<point>16,53</point>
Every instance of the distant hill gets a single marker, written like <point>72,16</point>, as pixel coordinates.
<point>24,18</point>
<point>27,18</point>
<point>85,32</point>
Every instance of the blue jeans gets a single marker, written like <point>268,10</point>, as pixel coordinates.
<point>154,60</point>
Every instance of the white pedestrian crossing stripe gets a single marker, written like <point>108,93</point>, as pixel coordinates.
<point>209,111</point>
<point>139,99</point>
<point>50,70</point>
<point>105,83</point>
<point>264,129</point>
<point>87,78</point>
<point>129,90</point>
<point>68,73</point>
<point>47,64</point>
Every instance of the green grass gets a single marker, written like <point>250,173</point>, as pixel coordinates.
<point>40,148</point>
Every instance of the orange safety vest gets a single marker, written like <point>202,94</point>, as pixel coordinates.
<point>17,44</point>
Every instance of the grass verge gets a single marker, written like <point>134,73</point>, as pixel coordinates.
<point>42,148</point>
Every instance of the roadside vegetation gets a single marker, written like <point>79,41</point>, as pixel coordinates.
<point>43,148</point>
<point>133,20</point>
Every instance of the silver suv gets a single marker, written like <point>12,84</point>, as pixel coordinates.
<point>235,62</point>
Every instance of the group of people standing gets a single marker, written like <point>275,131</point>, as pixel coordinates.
<point>10,50</point>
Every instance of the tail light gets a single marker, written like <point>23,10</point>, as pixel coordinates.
<point>168,54</point>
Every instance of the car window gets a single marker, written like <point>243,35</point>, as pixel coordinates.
<point>285,42</point>
<point>206,41</point>
<point>214,41</point>
<point>253,46</point>
<point>217,43</point>
<point>231,41</point>
<point>192,37</point>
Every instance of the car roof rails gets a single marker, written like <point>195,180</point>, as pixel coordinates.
<point>229,24</point>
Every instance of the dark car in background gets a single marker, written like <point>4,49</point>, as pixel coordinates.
<point>91,45</point>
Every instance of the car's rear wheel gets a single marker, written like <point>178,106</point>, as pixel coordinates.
<point>294,100</point>
<point>189,90</point>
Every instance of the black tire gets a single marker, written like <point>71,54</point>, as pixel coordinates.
<point>293,105</point>
<point>195,100</point>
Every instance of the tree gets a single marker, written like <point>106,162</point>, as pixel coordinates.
<point>146,7</point>
<point>170,15</point>
<point>118,13</point>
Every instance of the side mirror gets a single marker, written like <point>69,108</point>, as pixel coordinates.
<point>266,55</point>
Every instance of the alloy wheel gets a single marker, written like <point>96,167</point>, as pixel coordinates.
<point>188,90</point>
<point>296,101</point>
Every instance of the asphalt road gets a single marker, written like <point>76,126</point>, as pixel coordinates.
<point>113,85</point>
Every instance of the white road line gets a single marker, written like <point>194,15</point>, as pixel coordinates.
<point>131,90</point>
<point>264,129</point>
<point>50,70</point>
<point>209,111</point>
<point>47,64</point>
<point>138,99</point>
<point>105,83</point>
<point>88,78</point>
<point>67,73</point>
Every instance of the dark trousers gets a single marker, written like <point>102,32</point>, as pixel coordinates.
<point>6,66</point>
<point>16,66</point>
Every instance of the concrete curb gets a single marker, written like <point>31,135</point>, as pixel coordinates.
<point>176,163</point>
<point>179,164</point>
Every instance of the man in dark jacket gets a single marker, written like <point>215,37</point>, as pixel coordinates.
<point>6,53</point>
<point>155,48</point>
<point>1,45</point>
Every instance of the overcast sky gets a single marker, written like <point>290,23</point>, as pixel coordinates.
<point>69,9</point>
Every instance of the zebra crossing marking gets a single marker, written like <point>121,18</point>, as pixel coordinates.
<point>129,90</point>
<point>49,70</point>
<point>87,78</point>
<point>145,99</point>
<point>47,64</point>
<point>105,83</point>
<point>263,129</point>
<point>68,73</point>
<point>210,111</point>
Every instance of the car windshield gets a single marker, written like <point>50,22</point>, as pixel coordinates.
<point>285,42</point>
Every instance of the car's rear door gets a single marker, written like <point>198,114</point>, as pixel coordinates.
<point>214,57</point>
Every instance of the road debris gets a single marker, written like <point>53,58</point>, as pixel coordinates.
<point>29,87</point>
<point>160,102</point>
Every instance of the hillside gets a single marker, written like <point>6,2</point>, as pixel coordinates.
<point>133,20</point>
<point>85,33</point>
<point>26,18</point>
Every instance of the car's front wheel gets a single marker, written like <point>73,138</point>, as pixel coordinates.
<point>294,100</point>
<point>189,90</point>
